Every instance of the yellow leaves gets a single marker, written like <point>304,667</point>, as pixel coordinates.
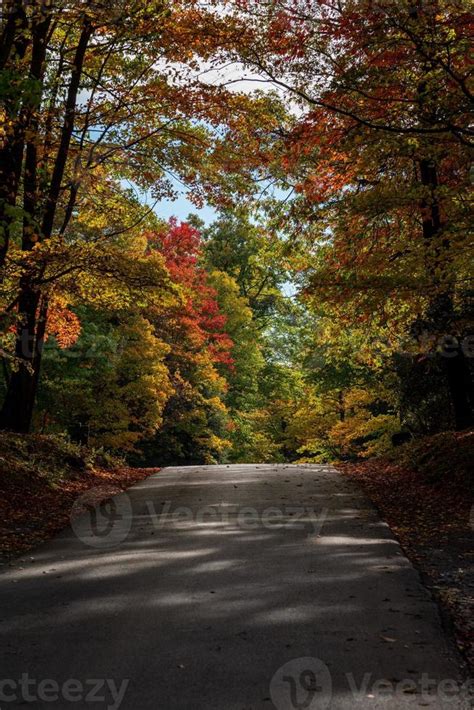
<point>136,391</point>
<point>360,431</point>
<point>111,278</point>
<point>356,398</point>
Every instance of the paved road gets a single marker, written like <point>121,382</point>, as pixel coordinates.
<point>225,588</point>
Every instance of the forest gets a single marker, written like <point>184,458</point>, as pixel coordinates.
<point>236,269</point>
<point>324,313</point>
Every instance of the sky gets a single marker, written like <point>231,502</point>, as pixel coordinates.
<point>182,207</point>
<point>237,79</point>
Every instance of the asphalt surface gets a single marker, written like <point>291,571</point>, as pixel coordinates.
<point>245,587</point>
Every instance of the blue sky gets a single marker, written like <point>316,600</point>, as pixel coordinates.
<point>182,207</point>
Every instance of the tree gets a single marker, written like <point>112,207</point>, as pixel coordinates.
<point>104,101</point>
<point>378,154</point>
<point>250,253</point>
<point>200,354</point>
<point>110,388</point>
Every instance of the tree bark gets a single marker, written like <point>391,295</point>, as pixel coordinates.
<point>441,312</point>
<point>14,43</point>
<point>460,385</point>
<point>17,410</point>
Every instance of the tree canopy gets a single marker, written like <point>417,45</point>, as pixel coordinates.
<point>326,308</point>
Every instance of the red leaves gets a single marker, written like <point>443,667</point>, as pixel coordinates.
<point>199,321</point>
<point>287,36</point>
<point>180,245</point>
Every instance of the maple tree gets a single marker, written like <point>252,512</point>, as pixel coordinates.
<point>377,155</point>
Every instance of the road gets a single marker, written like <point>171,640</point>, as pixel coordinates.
<point>243,587</point>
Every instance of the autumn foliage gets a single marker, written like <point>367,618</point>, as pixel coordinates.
<point>328,307</point>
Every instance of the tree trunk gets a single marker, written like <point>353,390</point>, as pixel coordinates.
<point>13,46</point>
<point>441,313</point>
<point>17,410</point>
<point>342,406</point>
<point>459,380</point>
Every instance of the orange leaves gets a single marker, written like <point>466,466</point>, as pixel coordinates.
<point>63,324</point>
<point>327,182</point>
